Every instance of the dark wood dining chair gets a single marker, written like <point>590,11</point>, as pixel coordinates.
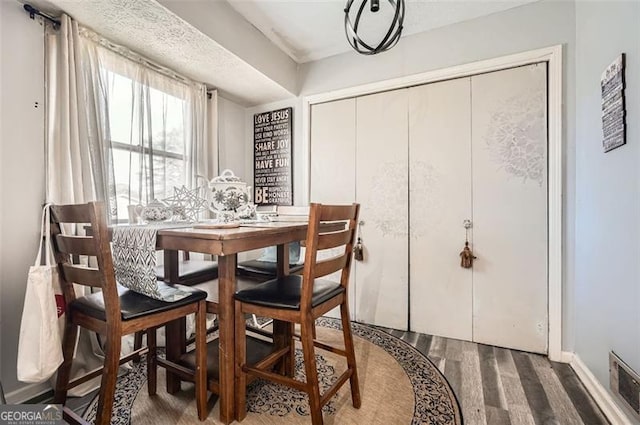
<point>113,311</point>
<point>302,299</point>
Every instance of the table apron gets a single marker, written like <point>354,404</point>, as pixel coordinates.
<point>226,246</point>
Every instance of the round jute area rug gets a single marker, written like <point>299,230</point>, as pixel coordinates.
<point>398,384</point>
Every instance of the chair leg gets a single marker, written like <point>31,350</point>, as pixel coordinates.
<point>137,344</point>
<point>312,384</point>
<point>64,371</point>
<point>201,360</point>
<point>283,337</point>
<point>152,362</point>
<point>351,355</point>
<point>109,378</point>
<point>241,356</point>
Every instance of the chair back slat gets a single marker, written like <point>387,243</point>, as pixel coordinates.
<point>338,212</point>
<point>334,239</point>
<point>70,214</point>
<point>96,246</point>
<point>76,245</point>
<point>329,238</point>
<point>86,276</point>
<point>332,265</point>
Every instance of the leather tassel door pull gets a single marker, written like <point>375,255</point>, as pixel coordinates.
<point>466,257</point>
<point>358,251</point>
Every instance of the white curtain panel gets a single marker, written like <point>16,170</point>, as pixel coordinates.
<point>68,163</point>
<point>212,135</point>
<point>156,126</point>
<point>203,123</point>
<point>120,128</point>
<point>68,157</point>
<point>108,110</point>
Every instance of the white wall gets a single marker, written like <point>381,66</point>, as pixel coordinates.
<point>233,151</point>
<point>21,174</point>
<point>607,289</point>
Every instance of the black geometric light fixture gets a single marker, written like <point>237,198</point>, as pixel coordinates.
<point>391,37</point>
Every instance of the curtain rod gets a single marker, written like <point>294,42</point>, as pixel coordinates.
<point>33,12</point>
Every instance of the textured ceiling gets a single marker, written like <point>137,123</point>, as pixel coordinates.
<point>309,30</point>
<point>150,29</point>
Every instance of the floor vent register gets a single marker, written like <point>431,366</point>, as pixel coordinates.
<point>625,383</point>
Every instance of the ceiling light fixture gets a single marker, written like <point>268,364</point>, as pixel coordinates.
<point>391,37</point>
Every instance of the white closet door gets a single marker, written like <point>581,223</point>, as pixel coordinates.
<point>382,190</point>
<point>333,152</point>
<point>333,172</point>
<point>440,200</point>
<point>509,128</point>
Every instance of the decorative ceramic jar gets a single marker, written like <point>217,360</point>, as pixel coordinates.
<point>228,193</point>
<point>156,211</point>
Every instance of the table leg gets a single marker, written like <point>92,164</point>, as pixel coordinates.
<point>283,331</point>
<point>226,317</point>
<point>175,332</point>
<point>171,271</point>
<point>283,260</point>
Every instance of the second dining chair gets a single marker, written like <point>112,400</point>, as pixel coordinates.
<point>114,311</point>
<point>302,299</point>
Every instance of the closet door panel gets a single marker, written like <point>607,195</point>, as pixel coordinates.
<point>509,128</point>
<point>440,200</point>
<point>382,190</point>
<point>333,152</point>
<point>333,159</point>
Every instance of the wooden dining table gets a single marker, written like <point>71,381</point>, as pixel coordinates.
<point>226,244</point>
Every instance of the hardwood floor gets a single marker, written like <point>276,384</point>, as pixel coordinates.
<point>497,386</point>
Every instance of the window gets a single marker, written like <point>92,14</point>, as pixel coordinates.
<point>147,129</point>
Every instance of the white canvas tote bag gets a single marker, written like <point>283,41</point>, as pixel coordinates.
<point>40,343</point>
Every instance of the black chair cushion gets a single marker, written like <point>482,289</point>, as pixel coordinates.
<point>285,292</point>
<point>265,268</point>
<point>134,305</point>
<point>189,269</point>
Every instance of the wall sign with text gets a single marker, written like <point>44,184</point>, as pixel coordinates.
<point>272,176</point>
<point>613,105</point>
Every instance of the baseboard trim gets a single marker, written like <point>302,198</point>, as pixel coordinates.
<point>28,393</point>
<point>566,357</point>
<point>600,394</point>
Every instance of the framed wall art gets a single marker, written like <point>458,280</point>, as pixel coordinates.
<point>612,86</point>
<point>272,157</point>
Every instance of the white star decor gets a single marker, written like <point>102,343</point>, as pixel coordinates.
<point>187,203</point>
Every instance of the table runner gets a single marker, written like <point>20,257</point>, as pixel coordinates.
<point>134,260</point>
